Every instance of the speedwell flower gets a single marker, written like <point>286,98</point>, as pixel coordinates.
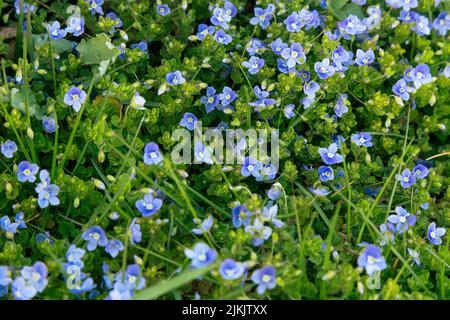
<point>201,255</point>
<point>75,97</point>
<point>329,155</point>
<point>264,278</point>
<point>149,205</point>
<point>95,236</point>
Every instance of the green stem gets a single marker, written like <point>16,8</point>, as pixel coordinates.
<point>77,123</point>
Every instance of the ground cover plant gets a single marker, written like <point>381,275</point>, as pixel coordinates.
<point>355,93</point>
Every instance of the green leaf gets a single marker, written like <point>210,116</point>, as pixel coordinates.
<point>336,5</point>
<point>18,102</point>
<point>353,8</point>
<point>96,50</point>
<point>59,45</point>
<point>170,285</point>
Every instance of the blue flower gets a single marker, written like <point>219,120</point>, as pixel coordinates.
<point>27,171</point>
<point>135,232</point>
<point>227,96</point>
<point>74,256</point>
<point>231,270</point>
<point>26,7</point>
<point>55,31</point>
<point>241,216</point>
<point>175,78</point>
<point>351,26</point>
<point>5,276</point>
<point>152,155</point>
<point>120,292</point>
<point>259,232</point>
<point>306,102</point>
<point>362,139</point>
<point>230,9</point>
<point>20,220</point>
<point>202,153</point>
<point>22,290</point>
<point>293,23</point>
<point>204,30</point>
<point>113,247</point>
<point>267,173</point>
<point>269,214</point>
<point>7,226</point>
<point>149,205</point>
<point>442,23</point>
<point>402,220</point>
<point>415,256</point>
<point>289,111</point>
<point>204,226</point>
<point>9,148</point>
<point>251,166</point>
<point>325,173</point>
<point>359,2</point>
<point>142,45</point>
<point>44,237</point>
<point>95,236</point>
<point>201,255</point>
<point>220,18</point>
<point>36,275</point>
<point>189,121</point>
<point>310,89</point>
<point>211,100</point>
<point>294,55</point>
<point>49,124</point>
<point>374,18</point>
<point>324,69</point>
<point>329,155</point>
<point>75,25</point>
<point>283,67</point>
<point>162,9</point>
<point>388,232</point>
<point>434,234</point>
<point>274,192</point>
<point>422,25</point>
<point>132,279</point>
<point>420,171</point>
<point>401,89</point>
<point>118,22</point>
<point>222,37</point>
<point>75,97</point>
<point>372,260</point>
<point>341,106</point>
<point>254,64</point>
<point>407,178</point>
<point>264,278</point>
<point>262,17</point>
<point>421,75</point>
<point>341,59</point>
<point>321,192</point>
<point>409,4</point>
<point>407,16</point>
<point>364,58</point>
<point>47,193</point>
<point>95,6</point>
<point>278,46</point>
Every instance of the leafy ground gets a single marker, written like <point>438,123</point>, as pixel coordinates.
<point>94,208</point>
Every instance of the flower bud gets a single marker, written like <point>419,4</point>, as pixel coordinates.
<point>30,133</point>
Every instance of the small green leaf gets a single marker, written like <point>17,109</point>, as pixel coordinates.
<point>336,5</point>
<point>170,285</point>
<point>96,50</point>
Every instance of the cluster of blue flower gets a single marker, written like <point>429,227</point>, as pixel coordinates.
<point>201,255</point>
<point>27,284</point>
